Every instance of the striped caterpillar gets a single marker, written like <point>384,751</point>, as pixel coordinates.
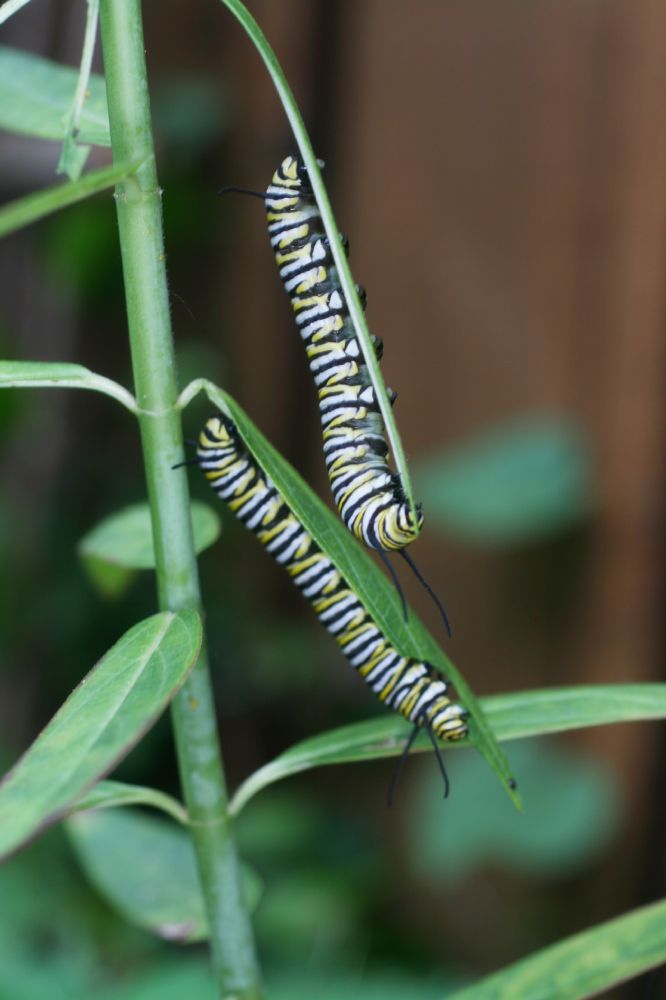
<point>415,689</point>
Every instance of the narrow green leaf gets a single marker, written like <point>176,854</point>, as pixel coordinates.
<point>100,722</point>
<point>126,537</point>
<point>36,96</point>
<point>145,868</point>
<point>109,794</point>
<point>374,589</point>
<point>242,14</point>
<point>585,964</point>
<point>557,710</point>
<point>20,213</point>
<point>61,375</point>
<point>526,479</point>
<point>376,738</point>
<point>510,716</point>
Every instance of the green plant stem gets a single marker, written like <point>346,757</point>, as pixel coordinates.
<point>140,225</point>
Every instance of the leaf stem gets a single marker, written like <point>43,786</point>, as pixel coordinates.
<point>138,202</point>
<point>242,14</point>
<point>11,7</point>
<point>23,211</point>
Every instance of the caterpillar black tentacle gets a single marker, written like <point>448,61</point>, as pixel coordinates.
<point>412,687</point>
<point>397,770</point>
<point>396,582</point>
<point>232,189</point>
<point>420,577</point>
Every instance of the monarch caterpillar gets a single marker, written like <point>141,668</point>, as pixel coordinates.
<point>415,689</point>
<point>369,496</point>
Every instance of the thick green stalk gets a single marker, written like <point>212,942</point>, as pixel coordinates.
<point>140,223</point>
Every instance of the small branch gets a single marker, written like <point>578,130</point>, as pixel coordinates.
<point>23,211</point>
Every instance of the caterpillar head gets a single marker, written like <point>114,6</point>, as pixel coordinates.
<point>218,432</point>
<point>410,521</point>
<point>448,719</point>
<point>293,168</point>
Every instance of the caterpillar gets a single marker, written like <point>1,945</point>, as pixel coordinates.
<point>369,496</point>
<point>412,687</point>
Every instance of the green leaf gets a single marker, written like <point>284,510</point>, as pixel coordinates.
<point>585,964</point>
<point>557,710</point>
<point>372,586</point>
<point>100,722</point>
<point>61,375</point>
<point>36,96</point>
<point>527,479</point>
<point>126,538</point>
<point>510,716</point>
<point>109,794</point>
<point>145,868</point>
<point>17,214</point>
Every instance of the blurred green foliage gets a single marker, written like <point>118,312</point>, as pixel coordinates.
<point>572,815</point>
<point>144,867</point>
<point>56,938</point>
<point>80,253</point>
<point>37,98</point>
<point>510,484</point>
<point>190,115</point>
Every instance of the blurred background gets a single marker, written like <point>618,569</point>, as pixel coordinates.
<point>500,170</point>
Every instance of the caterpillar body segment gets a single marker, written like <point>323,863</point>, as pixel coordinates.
<point>415,689</point>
